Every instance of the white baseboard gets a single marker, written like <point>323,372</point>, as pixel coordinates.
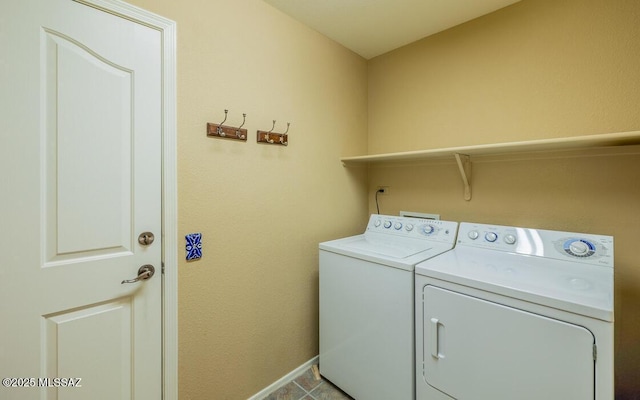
<point>285,379</point>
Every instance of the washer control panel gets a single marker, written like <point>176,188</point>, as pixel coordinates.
<point>417,228</point>
<point>580,247</point>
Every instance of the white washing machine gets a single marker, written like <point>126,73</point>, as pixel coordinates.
<point>515,313</point>
<point>367,304</point>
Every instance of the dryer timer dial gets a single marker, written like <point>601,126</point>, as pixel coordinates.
<point>579,247</point>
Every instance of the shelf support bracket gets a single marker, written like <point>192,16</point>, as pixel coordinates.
<point>464,165</point>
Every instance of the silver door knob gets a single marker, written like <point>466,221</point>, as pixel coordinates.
<point>145,272</point>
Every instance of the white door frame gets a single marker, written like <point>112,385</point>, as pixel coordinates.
<point>167,29</point>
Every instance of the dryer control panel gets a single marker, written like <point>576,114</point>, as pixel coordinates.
<point>416,228</point>
<point>580,247</point>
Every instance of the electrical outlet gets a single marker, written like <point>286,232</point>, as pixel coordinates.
<point>383,190</point>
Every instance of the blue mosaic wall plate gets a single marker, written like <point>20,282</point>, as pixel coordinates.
<point>193,246</point>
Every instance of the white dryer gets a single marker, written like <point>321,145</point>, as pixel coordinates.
<point>367,304</point>
<point>516,313</point>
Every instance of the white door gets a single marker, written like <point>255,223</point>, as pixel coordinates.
<point>80,168</point>
<point>476,349</point>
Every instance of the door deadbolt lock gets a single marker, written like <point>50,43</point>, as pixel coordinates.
<point>146,238</point>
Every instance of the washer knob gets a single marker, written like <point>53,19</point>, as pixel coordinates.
<point>398,226</point>
<point>408,227</point>
<point>377,223</point>
<point>473,235</point>
<point>428,229</point>
<point>509,239</point>
<point>387,224</point>
<point>491,237</point>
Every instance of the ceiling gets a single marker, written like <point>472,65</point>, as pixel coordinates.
<point>373,27</point>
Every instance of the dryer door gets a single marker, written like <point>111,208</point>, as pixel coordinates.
<point>476,349</point>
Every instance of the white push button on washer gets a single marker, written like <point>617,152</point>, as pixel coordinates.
<point>509,239</point>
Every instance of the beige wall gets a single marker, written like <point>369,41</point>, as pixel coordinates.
<point>538,69</point>
<point>248,310</point>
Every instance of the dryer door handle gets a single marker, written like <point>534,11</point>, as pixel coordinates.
<point>434,338</point>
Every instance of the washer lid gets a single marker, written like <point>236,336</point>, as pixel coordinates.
<point>580,288</point>
<point>387,247</point>
<point>402,253</point>
<point>400,242</point>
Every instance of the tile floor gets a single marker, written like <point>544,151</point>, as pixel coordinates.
<point>306,387</point>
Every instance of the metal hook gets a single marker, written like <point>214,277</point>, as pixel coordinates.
<point>283,135</point>
<point>268,134</point>
<point>219,130</point>
<point>238,134</point>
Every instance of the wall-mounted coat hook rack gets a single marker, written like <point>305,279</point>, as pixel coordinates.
<point>227,132</point>
<point>271,137</point>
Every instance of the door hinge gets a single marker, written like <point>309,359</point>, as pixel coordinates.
<point>595,352</point>
<point>162,268</point>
